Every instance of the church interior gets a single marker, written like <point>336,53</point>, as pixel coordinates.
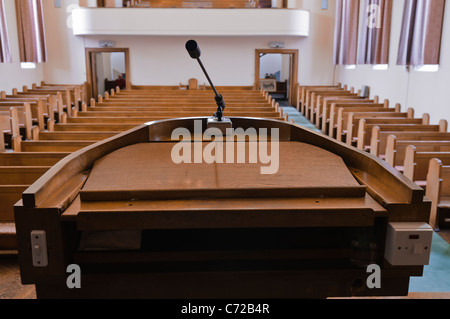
<point>117,169</point>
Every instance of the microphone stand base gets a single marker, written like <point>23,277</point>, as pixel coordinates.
<point>221,125</point>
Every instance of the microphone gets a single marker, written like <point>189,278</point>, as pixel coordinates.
<point>195,53</point>
<point>193,49</point>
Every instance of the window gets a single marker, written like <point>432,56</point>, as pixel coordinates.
<point>346,32</point>
<point>30,25</point>
<point>420,40</point>
<point>375,33</point>
<point>380,67</point>
<point>28,65</point>
<point>427,68</point>
<point>5,53</point>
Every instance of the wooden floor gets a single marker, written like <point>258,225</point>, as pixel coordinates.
<point>11,287</point>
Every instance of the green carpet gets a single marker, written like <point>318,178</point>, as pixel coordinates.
<point>436,275</point>
<point>298,118</point>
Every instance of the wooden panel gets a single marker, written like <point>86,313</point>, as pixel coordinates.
<point>21,175</point>
<point>9,195</point>
<point>54,146</point>
<point>152,173</point>
<point>30,159</point>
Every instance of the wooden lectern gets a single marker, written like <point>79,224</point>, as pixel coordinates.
<point>140,223</point>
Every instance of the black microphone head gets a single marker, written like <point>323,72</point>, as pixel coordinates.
<point>193,49</point>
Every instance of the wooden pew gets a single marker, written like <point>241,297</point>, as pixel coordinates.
<point>317,104</point>
<point>9,195</point>
<point>438,191</point>
<point>83,88</point>
<point>157,88</point>
<point>110,120</point>
<point>21,175</point>
<point>379,137</point>
<point>4,125</point>
<point>242,94</point>
<point>326,110</point>
<point>73,93</point>
<point>348,128</point>
<point>11,128</point>
<point>171,108</point>
<point>306,103</point>
<point>30,158</point>
<point>182,105</point>
<point>53,106</point>
<point>97,126</point>
<point>323,106</point>
<point>66,97</point>
<point>396,149</point>
<point>302,94</point>
<point>75,135</point>
<point>163,114</point>
<point>17,172</point>
<point>310,107</point>
<point>417,163</point>
<point>37,110</point>
<point>365,126</point>
<point>21,117</point>
<point>54,146</point>
<point>332,123</point>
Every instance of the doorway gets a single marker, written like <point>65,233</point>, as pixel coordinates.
<point>105,66</point>
<point>277,71</point>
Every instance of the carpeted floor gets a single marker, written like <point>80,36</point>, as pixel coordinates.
<point>436,276</point>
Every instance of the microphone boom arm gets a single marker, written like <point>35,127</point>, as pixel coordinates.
<point>194,52</point>
<point>219,98</point>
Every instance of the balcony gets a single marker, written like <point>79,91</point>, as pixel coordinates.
<point>190,22</point>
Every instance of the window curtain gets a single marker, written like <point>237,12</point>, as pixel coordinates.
<point>5,52</point>
<point>346,32</point>
<point>375,32</point>
<point>30,26</point>
<point>420,40</point>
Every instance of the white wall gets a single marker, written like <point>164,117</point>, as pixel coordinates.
<point>425,92</point>
<point>11,74</point>
<point>270,64</point>
<point>117,64</point>
<point>163,60</point>
<point>316,52</point>
<point>66,57</point>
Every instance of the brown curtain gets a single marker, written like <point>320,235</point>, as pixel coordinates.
<point>420,40</point>
<point>346,32</point>
<point>5,52</point>
<point>30,25</point>
<point>376,33</point>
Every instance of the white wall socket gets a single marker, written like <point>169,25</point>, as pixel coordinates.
<point>408,244</point>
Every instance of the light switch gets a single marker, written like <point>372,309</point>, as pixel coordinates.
<point>39,248</point>
<point>417,249</point>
